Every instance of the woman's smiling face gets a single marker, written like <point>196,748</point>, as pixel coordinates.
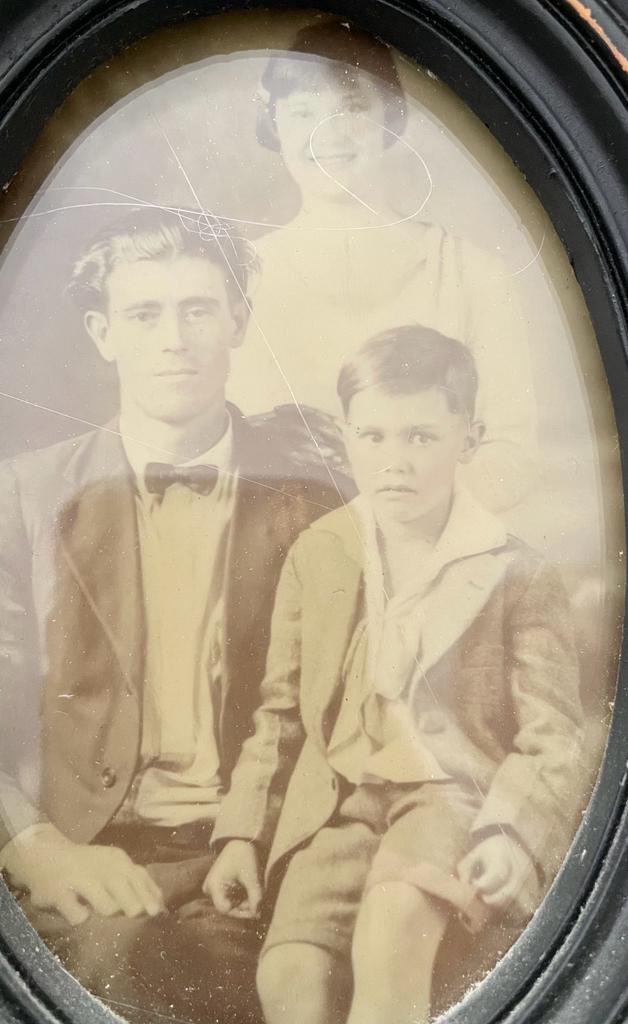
<point>332,132</point>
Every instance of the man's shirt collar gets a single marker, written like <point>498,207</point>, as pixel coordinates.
<point>140,454</point>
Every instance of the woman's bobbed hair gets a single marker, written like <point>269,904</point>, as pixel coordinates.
<point>335,45</point>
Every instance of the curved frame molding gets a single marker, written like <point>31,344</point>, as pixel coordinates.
<point>548,87</point>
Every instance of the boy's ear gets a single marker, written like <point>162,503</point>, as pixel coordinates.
<point>97,326</point>
<point>473,440</point>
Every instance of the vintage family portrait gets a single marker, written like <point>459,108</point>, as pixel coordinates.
<point>310,528</point>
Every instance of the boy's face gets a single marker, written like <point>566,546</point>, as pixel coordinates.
<point>404,451</point>
<point>169,326</point>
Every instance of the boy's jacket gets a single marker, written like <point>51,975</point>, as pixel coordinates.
<point>497,651</point>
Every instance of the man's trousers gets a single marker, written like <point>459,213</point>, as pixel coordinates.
<point>188,964</point>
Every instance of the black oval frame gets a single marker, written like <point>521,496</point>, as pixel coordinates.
<point>568,133</point>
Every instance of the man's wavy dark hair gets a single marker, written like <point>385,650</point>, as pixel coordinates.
<point>151,233</point>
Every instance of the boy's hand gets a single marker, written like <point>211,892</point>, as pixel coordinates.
<point>234,882</point>
<point>76,879</point>
<point>498,869</point>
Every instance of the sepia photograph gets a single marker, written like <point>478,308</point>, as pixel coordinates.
<point>311,534</point>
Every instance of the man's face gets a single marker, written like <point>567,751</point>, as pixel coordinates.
<point>168,327</point>
<point>332,136</point>
<point>404,450</point>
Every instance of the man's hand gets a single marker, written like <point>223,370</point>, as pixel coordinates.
<point>234,882</point>
<point>498,869</point>
<point>76,879</point>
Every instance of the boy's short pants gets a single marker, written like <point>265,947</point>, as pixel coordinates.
<point>380,833</point>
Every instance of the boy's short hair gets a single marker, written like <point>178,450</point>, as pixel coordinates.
<point>410,359</point>
<point>340,46</point>
<point>154,234</point>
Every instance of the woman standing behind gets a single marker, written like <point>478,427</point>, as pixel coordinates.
<point>348,265</point>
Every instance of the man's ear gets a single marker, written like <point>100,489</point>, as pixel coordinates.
<point>473,440</point>
<point>97,326</point>
<point>241,312</point>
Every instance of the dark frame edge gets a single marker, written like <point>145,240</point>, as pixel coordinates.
<point>596,203</point>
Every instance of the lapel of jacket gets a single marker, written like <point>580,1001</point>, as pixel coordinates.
<point>251,556</point>
<point>475,556</point>
<point>99,541</point>
<point>333,615</point>
<point>455,603</point>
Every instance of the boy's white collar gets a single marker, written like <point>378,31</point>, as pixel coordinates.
<point>470,529</point>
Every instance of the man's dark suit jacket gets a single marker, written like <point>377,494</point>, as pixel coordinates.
<point>72,635</point>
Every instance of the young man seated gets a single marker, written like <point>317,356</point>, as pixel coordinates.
<point>415,751</point>
<point>138,566</point>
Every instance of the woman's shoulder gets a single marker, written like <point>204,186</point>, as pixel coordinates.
<point>454,247</point>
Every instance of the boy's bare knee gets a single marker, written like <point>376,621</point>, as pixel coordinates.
<point>272,973</point>
<point>396,899</point>
<point>279,973</point>
<point>294,983</point>
<point>394,913</point>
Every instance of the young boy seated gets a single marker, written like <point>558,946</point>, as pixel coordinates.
<point>415,752</point>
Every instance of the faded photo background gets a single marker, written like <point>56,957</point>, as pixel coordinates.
<point>171,122</point>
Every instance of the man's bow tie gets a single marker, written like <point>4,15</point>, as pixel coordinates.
<point>159,476</point>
